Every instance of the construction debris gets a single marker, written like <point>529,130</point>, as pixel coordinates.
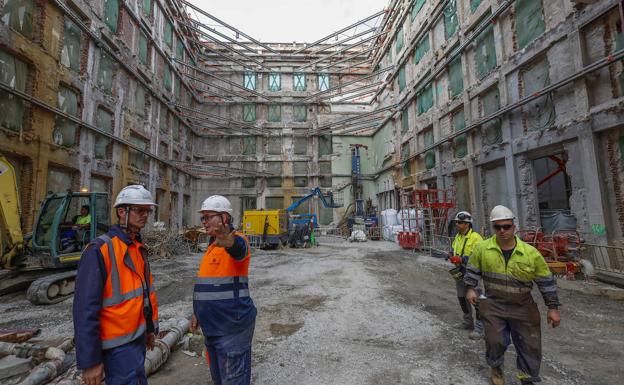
<point>165,244</point>
<point>18,335</point>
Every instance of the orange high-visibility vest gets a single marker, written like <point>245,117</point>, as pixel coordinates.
<point>125,293</point>
<point>221,276</point>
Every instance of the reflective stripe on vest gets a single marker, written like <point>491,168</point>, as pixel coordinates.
<point>118,298</point>
<point>221,277</point>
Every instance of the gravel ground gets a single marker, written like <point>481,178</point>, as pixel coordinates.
<point>366,313</point>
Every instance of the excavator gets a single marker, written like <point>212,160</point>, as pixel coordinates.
<point>45,261</point>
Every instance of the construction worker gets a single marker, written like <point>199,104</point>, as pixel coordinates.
<point>463,244</point>
<point>508,267</point>
<point>115,310</point>
<point>221,302</point>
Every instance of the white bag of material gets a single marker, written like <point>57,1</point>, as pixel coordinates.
<point>389,217</point>
<point>395,233</point>
<point>386,233</point>
<point>357,236</point>
<point>408,220</point>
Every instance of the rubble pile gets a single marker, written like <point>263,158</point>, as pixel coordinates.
<point>165,244</point>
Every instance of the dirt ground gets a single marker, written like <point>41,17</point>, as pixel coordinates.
<point>367,313</point>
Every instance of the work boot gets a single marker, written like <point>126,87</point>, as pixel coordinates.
<point>525,379</point>
<point>497,378</point>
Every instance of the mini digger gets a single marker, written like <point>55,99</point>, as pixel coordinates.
<point>45,261</point>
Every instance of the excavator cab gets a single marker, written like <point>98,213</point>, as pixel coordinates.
<point>66,224</point>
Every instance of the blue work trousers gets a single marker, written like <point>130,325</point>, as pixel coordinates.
<point>230,357</point>
<point>125,364</point>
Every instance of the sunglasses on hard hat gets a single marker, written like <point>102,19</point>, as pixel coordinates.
<point>463,217</point>
<point>502,227</point>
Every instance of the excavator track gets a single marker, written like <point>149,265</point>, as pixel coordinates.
<point>52,288</point>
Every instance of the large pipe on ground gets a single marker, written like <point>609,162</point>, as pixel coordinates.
<point>163,346</point>
<point>55,364</point>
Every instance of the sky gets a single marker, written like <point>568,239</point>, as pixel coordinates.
<point>289,21</point>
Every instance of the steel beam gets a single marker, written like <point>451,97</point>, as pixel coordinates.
<point>348,83</point>
<point>371,17</point>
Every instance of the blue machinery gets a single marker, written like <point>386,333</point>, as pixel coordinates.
<point>356,178</point>
<point>304,219</point>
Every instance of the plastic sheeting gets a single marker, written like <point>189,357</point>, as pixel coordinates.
<point>19,16</point>
<point>249,112</point>
<point>275,81</point>
<point>275,113</point>
<point>401,78</point>
<point>485,53</point>
<point>323,82</point>
<point>460,142</point>
<point>299,82</point>
<point>249,80</point>
<point>300,113</point>
<point>324,145</point>
<point>405,120</point>
<point>492,132</point>
<point>13,73</point>
<point>64,133</point>
<point>389,217</point>
<point>529,21</point>
<point>554,220</point>
<point>399,40</point>
<point>111,14</point>
<point>103,121</point>
<point>450,18</point>
<point>424,99</point>
<point>70,54</point>
<point>474,4</point>
<point>418,5</point>
<point>456,79</point>
<point>541,111</point>
<point>422,47</point>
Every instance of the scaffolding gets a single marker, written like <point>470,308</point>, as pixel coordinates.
<point>425,215</point>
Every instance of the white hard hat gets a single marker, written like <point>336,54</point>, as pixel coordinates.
<point>217,203</point>
<point>463,216</point>
<point>134,195</point>
<point>501,213</point>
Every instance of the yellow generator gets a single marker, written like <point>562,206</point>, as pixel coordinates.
<point>266,228</point>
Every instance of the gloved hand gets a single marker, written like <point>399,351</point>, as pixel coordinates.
<point>455,260</point>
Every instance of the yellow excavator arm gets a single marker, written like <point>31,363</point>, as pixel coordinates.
<point>11,236</point>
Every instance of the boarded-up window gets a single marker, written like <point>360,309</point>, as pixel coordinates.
<point>300,181</point>
<point>249,181</point>
<point>111,14</point>
<point>429,155</point>
<point>163,123</point>
<point>474,4</point>
<point>100,185</point>
<point>168,35</point>
<point>416,7</point>
<point>405,153</point>
<point>64,133</point>
<point>456,80</point>
<point>300,144</point>
<point>529,21</point>
<point>179,50</point>
<point>323,82</point>
<point>450,18</point>
<point>422,47</point>
<point>70,54</point>
<point>136,158</point>
<point>405,121</point>
<point>59,179</point>
<point>299,82</point>
<point>324,145</point>
<point>274,145</point>
<point>139,100</point>
<point>485,54</point>
<point>325,174</point>
<point>540,112</point>
<point>103,145</point>
<point>105,73</point>
<point>13,73</point>
<point>460,142</point>
<point>424,99</point>
<point>399,40</point>
<point>401,78</point>
<point>175,128</point>
<point>249,145</point>
<point>146,8</point>
<point>300,168</point>
<point>300,113</point>
<point>143,48</point>
<point>249,112</point>
<point>249,80</point>
<point>274,182</point>
<point>248,203</point>
<point>491,130</point>
<point>275,81</point>
<point>274,203</point>
<point>167,78</point>
<point>19,16</point>
<point>275,113</point>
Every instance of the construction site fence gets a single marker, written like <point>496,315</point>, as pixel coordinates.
<point>609,259</point>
